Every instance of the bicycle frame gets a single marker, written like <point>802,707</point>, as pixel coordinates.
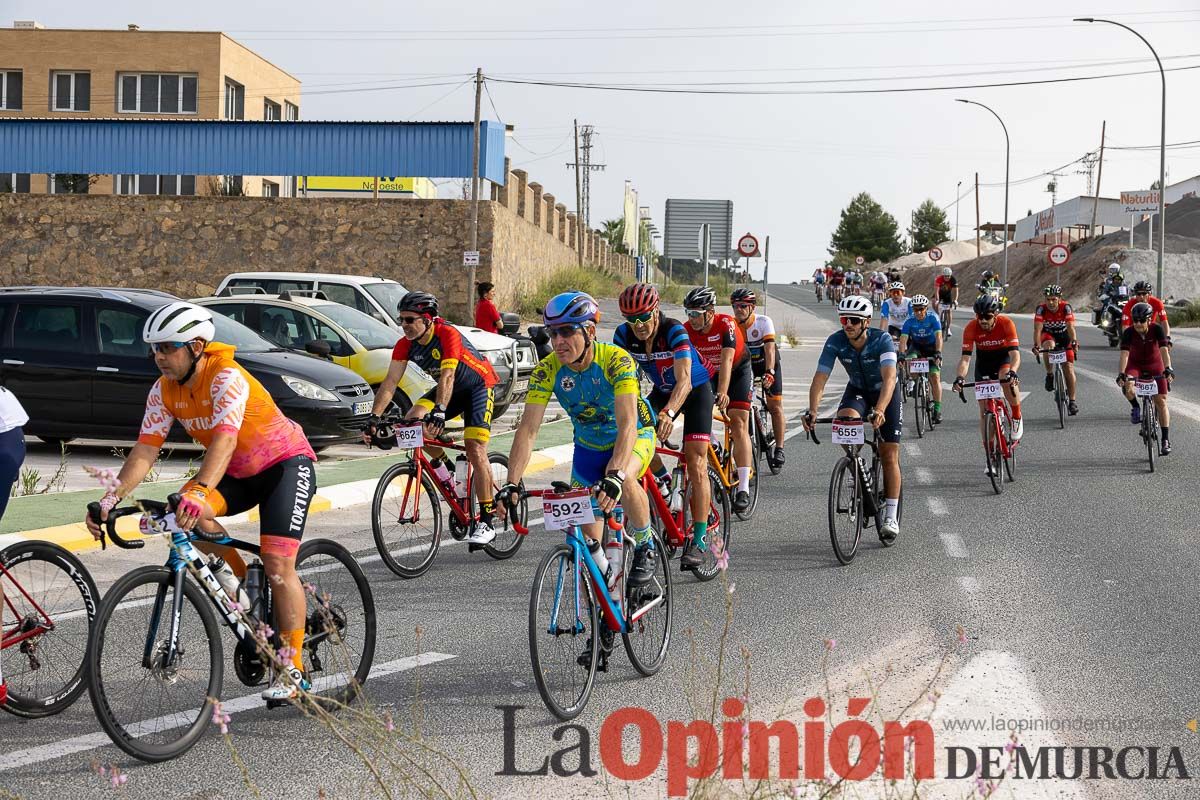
<point>465,516</point>
<point>18,633</point>
<point>998,409</point>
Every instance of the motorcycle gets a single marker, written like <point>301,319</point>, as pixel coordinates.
<point>997,293</point>
<point>1110,319</point>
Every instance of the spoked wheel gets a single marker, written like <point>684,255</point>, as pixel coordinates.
<point>49,606</point>
<point>929,405</point>
<point>1150,430</point>
<point>1060,397</point>
<point>507,541</point>
<point>753,488</point>
<point>845,510</point>
<point>154,706</point>
<point>920,403</point>
<point>1010,461</point>
<point>991,449</point>
<point>648,615</point>
<point>406,518</point>
<point>563,623</point>
<point>720,525</point>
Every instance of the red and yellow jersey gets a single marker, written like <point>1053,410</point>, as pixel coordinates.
<point>228,399</point>
<point>1002,336</point>
<point>443,347</point>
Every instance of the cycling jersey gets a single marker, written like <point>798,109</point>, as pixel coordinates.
<point>443,347</point>
<point>878,282</point>
<point>818,277</point>
<point>945,286</point>
<point>1054,322</point>
<point>589,397</point>
<point>1159,315</point>
<point>1145,351</point>
<point>758,331</point>
<point>922,331</point>
<point>864,367</point>
<point>723,332</point>
<point>227,399</point>
<point>837,279</point>
<point>657,357</point>
<point>896,313</point>
<point>1001,338</point>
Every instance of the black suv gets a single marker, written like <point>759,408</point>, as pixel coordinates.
<point>76,360</point>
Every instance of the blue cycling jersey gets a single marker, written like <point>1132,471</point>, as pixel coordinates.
<point>657,358</point>
<point>922,331</point>
<point>862,366</point>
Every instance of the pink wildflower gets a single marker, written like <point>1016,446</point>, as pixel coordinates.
<point>830,644</point>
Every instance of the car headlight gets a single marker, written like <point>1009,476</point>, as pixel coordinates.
<point>499,358</point>
<point>309,390</point>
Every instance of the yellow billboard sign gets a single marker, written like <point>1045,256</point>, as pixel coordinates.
<point>417,187</point>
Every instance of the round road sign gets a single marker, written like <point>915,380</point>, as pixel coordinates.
<point>859,260</point>
<point>748,246</point>
<point>935,254</point>
<point>1059,255</point>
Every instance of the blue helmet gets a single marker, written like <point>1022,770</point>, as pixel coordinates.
<point>570,307</point>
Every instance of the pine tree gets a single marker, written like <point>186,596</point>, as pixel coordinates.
<point>930,227</point>
<point>866,230</point>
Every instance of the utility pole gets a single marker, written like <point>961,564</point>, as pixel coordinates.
<point>474,189</point>
<point>580,221</point>
<point>978,252</point>
<point>1099,175</point>
<point>766,268</point>
<point>584,167</point>
<point>957,198</point>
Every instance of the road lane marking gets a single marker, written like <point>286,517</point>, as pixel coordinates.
<point>954,545</point>
<point>969,584</point>
<point>1175,404</point>
<point>937,506</point>
<point>924,476</point>
<point>913,449</point>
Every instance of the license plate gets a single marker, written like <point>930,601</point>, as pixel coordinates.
<point>522,385</point>
<point>1145,388</point>
<point>410,437</point>
<point>363,406</point>
<point>918,365</point>
<point>1058,358</point>
<point>568,509</point>
<point>848,433</point>
<point>987,390</point>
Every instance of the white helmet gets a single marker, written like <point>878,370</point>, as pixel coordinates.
<point>920,301</point>
<point>1114,268</point>
<point>855,306</point>
<point>896,286</point>
<point>947,271</point>
<point>179,322</point>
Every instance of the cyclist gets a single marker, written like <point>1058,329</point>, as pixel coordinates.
<point>896,310</point>
<point>878,287</point>
<point>661,346</point>
<point>856,282</point>
<point>1113,290</point>
<point>1054,326</point>
<point>464,388</point>
<point>869,356</point>
<point>1142,294</point>
<point>994,337</point>
<point>946,287</point>
<point>921,337</point>
<point>818,278</point>
<point>1145,352</point>
<point>254,456</point>
<point>765,362</point>
<point>718,338</point>
<point>836,283</point>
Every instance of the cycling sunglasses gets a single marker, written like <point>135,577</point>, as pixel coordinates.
<point>166,348</point>
<point>987,317</point>
<point>562,331</point>
<point>852,320</point>
<point>694,313</point>
<point>743,306</point>
<point>408,320</point>
<point>639,319</point>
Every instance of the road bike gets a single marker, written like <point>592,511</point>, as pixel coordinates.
<point>1057,356</point>
<point>877,297</point>
<point>762,429</point>
<point>1146,387</point>
<point>917,372</point>
<point>944,313</point>
<point>571,595</point>
<point>47,614</point>
<point>676,525</point>
<point>835,293</point>
<point>720,459</point>
<point>406,515</point>
<point>856,490</point>
<point>153,692</point>
<point>998,446</point>
<point>820,290</point>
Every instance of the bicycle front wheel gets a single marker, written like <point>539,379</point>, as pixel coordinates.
<point>919,405</point>
<point>1060,396</point>
<point>720,525</point>
<point>992,450</point>
<point>507,541</point>
<point>406,518</point>
<point>753,487</point>
<point>562,626</point>
<point>53,599</point>
<point>154,705</point>
<point>1150,427</point>
<point>648,618</point>
<point>845,510</point>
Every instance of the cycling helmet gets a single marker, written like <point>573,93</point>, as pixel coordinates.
<point>920,301</point>
<point>421,302</point>
<point>1141,312</point>
<point>570,307</point>
<point>988,275</point>
<point>896,286</point>
<point>700,297</point>
<point>1053,290</point>
<point>179,322</point>
<point>1114,268</point>
<point>947,271</point>
<point>986,304</point>
<point>855,306</point>
<point>637,299</point>
<point>838,269</point>
<point>1142,286</point>
<point>743,295</point>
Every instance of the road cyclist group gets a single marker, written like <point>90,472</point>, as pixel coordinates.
<point>302,612</point>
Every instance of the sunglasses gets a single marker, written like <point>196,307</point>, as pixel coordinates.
<point>639,319</point>
<point>166,348</point>
<point>987,317</point>
<point>695,313</point>
<point>852,321</point>
<point>562,331</point>
<point>743,306</point>
<point>1141,294</point>
<point>409,320</point>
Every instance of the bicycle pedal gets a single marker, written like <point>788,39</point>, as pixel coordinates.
<point>472,547</point>
<point>273,704</point>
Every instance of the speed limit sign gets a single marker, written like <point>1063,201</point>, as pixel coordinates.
<point>935,254</point>
<point>1059,255</point>
<point>859,260</point>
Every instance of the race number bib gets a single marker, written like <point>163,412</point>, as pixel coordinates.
<point>1058,357</point>
<point>1145,388</point>
<point>987,390</point>
<point>566,510</point>
<point>848,433</point>
<point>410,437</point>
<point>1123,291</point>
<point>918,365</point>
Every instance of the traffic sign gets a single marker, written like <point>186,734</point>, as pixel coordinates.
<point>470,258</point>
<point>1059,255</point>
<point>935,254</point>
<point>748,246</point>
<point>859,260</point>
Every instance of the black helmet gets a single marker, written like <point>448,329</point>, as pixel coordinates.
<point>700,297</point>
<point>988,275</point>
<point>420,302</point>
<point>743,295</point>
<point>1053,290</point>
<point>986,304</point>
<point>1142,286</point>
<point>1141,312</point>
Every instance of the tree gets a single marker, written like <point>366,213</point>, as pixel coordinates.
<point>867,230</point>
<point>930,227</point>
<point>614,233</point>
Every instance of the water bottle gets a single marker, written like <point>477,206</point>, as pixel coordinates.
<point>229,581</point>
<point>675,499</point>
<point>444,476</point>
<point>460,477</point>
<point>614,554</point>
<point>255,575</point>
<point>597,553</point>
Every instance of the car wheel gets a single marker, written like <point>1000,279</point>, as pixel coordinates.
<point>498,411</point>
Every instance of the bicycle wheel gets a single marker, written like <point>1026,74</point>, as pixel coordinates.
<point>919,404</point>
<point>845,510</point>
<point>159,712</point>
<point>339,621</point>
<point>1150,428</point>
<point>563,622</point>
<point>1010,461</point>
<point>991,449</point>
<point>51,599</point>
<point>507,541</point>
<point>929,405</point>
<point>720,525</point>
<point>648,617</point>
<point>753,488</point>
<point>406,518</point>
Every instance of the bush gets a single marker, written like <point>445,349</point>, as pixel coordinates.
<point>594,282</point>
<point>1184,316</point>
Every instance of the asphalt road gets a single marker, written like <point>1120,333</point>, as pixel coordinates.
<point>1075,591</point>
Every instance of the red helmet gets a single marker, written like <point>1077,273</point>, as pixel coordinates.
<point>638,298</point>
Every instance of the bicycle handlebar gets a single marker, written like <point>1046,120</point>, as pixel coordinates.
<point>555,488</point>
<point>155,508</point>
<point>968,385</point>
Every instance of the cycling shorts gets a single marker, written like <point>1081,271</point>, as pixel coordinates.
<point>1137,371</point>
<point>928,350</point>
<point>589,465</point>
<point>1059,340</point>
<point>697,411</point>
<point>473,404</point>
<point>989,363</point>
<point>894,332</point>
<point>741,386</point>
<point>282,493</point>
<point>862,402</point>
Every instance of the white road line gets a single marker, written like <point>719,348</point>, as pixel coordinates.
<point>1174,402</point>
<point>249,702</point>
<point>954,545</point>
<point>969,584</point>
<point>937,506</point>
<point>924,476</point>
<point>912,449</point>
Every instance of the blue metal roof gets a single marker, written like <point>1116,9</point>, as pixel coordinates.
<point>218,147</point>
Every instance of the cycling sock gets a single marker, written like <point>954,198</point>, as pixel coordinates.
<point>295,640</point>
<point>662,474</point>
<point>890,507</point>
<point>640,535</point>
<point>937,405</point>
<point>743,479</point>
<point>486,509</point>
<point>1016,412</point>
<point>699,531</point>
<point>1166,433</point>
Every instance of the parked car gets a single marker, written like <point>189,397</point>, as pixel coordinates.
<point>76,358</point>
<point>513,358</point>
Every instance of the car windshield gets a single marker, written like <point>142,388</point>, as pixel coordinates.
<point>370,332</point>
<point>241,337</point>
<point>387,295</point>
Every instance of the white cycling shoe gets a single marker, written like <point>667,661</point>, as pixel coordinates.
<point>481,534</point>
<point>1017,429</point>
<point>287,685</point>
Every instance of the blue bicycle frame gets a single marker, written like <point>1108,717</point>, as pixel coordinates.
<point>609,606</point>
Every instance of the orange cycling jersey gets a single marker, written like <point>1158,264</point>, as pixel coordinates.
<point>226,399</point>
<point>1002,336</point>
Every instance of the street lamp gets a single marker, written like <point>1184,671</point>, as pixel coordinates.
<point>1004,280</point>
<point>1162,151</point>
<point>957,200</point>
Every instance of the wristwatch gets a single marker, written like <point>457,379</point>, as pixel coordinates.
<point>671,415</point>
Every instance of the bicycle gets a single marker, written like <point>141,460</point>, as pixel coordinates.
<point>855,490</point>
<point>998,445</point>
<point>820,290</point>
<point>944,312</point>
<point>720,459</point>
<point>174,654</point>
<point>50,604</point>
<point>409,535</point>
<point>1146,387</point>
<point>1057,357</point>
<point>922,393</point>
<point>835,293</point>
<point>676,525</point>
<point>570,593</point>
<point>762,430</point>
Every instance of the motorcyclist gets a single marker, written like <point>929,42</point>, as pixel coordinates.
<point>1112,291</point>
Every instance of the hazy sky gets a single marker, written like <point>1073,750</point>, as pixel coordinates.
<point>789,162</point>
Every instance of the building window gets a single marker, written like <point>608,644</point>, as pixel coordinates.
<point>71,91</point>
<point>235,100</point>
<point>271,111</point>
<point>155,184</point>
<point>153,93</point>
<point>10,91</point>
<point>14,182</point>
<point>270,189</point>
<point>291,111</point>
<point>70,183</point>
